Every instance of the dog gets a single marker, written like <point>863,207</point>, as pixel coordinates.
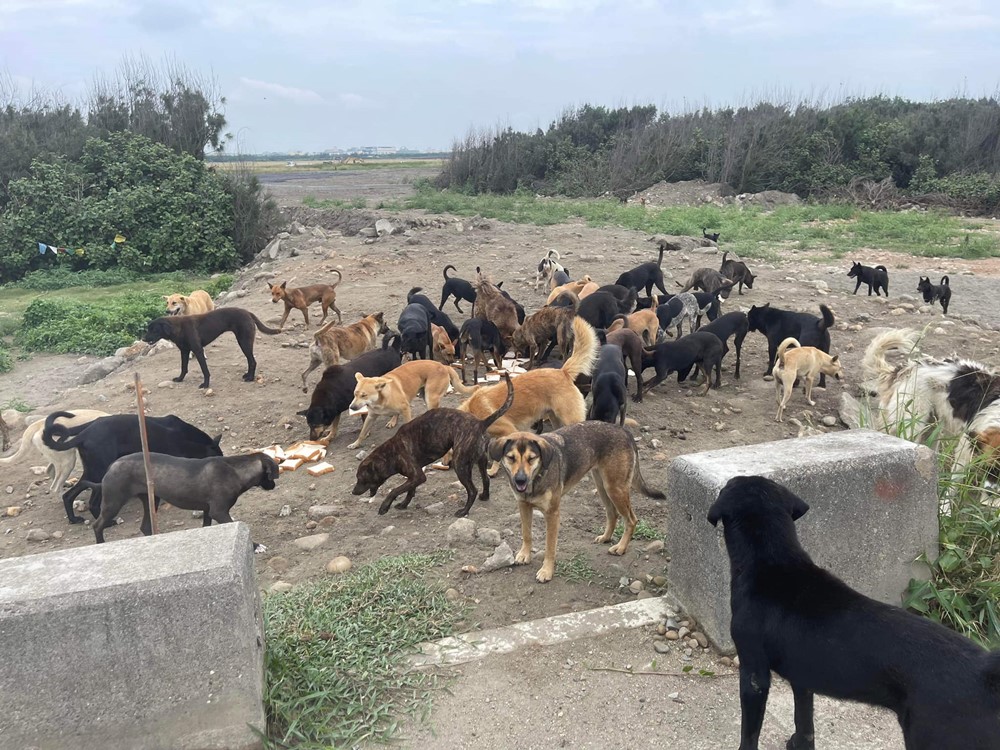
<point>458,288</point>
<point>631,345</point>
<point>601,308</point>
<point>540,329</point>
<point>778,325</point>
<point>790,616</point>
<point>696,350</point>
<point>709,305</point>
<point>628,298</point>
<point>331,343</point>
<point>877,277</point>
<point>61,463</point>
<point>517,305</point>
<point>935,293</point>
<point>795,361</point>
<point>738,271</point>
<point>104,440</point>
<point>646,324</point>
<point>299,298</point>
<point>573,287</point>
<point>192,333</point>
<point>559,278</point>
<point>443,348</point>
<point>608,386</point>
<point>731,324</point>
<point>708,280</point>
<point>645,276</point>
<point>335,390</point>
<point>681,307</point>
<point>392,393</point>
<point>491,305</point>
<point>428,438</point>
<point>714,236</point>
<point>546,267</point>
<point>414,326</point>
<point>195,303</point>
<point>437,317</point>
<point>211,485</point>
<point>543,468</point>
<point>480,336</point>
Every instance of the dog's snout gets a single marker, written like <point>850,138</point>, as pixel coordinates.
<point>521,481</point>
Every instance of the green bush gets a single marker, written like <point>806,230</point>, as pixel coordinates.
<point>6,362</point>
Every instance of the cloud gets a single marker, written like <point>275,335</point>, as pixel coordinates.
<point>356,101</point>
<point>291,93</point>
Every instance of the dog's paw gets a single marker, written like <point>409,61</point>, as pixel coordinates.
<point>461,513</point>
<point>178,379</point>
<point>544,574</point>
<point>523,557</point>
<point>602,539</point>
<point>75,519</point>
<point>203,386</point>
<point>617,549</point>
<point>354,445</point>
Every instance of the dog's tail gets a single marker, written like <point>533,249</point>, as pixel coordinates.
<point>445,272</point>
<point>555,253</point>
<point>26,445</point>
<point>875,366</point>
<point>409,294</point>
<point>944,281</point>
<point>724,254</point>
<point>785,345</point>
<point>394,340</point>
<point>881,268</point>
<point>827,321</point>
<point>503,407</point>
<point>584,356</point>
<point>261,327</point>
<point>458,385</point>
<point>340,277</point>
<point>659,261</point>
<point>68,437</point>
<point>638,482</point>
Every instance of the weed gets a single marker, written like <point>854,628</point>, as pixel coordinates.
<point>17,405</point>
<point>577,569</point>
<point>6,363</point>
<point>643,532</point>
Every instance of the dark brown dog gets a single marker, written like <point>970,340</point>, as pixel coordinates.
<point>542,328</point>
<point>491,305</point>
<point>299,298</point>
<point>192,333</point>
<point>631,346</point>
<point>428,438</point>
<point>736,270</point>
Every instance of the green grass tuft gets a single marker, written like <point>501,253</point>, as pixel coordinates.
<point>577,569</point>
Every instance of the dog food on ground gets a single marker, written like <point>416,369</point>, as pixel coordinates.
<point>320,469</point>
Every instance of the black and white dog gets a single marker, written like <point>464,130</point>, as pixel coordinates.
<point>546,267</point>
<point>877,278</point>
<point>935,292</point>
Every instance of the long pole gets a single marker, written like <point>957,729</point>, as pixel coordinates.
<point>150,485</point>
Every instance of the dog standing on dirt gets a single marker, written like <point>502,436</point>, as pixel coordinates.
<point>795,361</point>
<point>299,298</point>
<point>195,303</point>
<point>392,393</point>
<point>491,305</point>
<point>540,329</point>
<point>543,468</point>
<point>696,350</point>
<point>481,337</point>
<point>547,266</point>
<point>877,278</point>
<point>708,280</point>
<point>192,333</point>
<point>332,343</point>
<point>608,389</point>
<point>645,276</point>
<point>778,325</point>
<point>736,270</point>
<point>428,438</point>
<point>458,288</point>
<point>935,292</point>
<point>631,346</point>
<point>731,324</point>
<point>802,622</point>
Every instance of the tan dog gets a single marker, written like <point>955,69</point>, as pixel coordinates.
<point>331,343</point>
<point>444,349</point>
<point>573,286</point>
<point>61,463</point>
<point>543,468</point>
<point>193,304</point>
<point>299,298</point>
<point>589,288</point>
<point>540,328</point>
<point>646,324</point>
<point>392,393</point>
<point>491,305</point>
<point>806,362</point>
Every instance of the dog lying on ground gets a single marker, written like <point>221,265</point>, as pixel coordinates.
<point>933,293</point>
<point>335,390</point>
<point>738,271</point>
<point>608,387</point>
<point>192,333</point>
<point>778,325</point>
<point>211,485</point>
<point>491,305</point>
<point>794,618</point>
<point>805,362</point>
<point>543,468</point>
<point>714,236</point>
<point>331,343</point>
<point>443,348</point>
<point>540,329</point>
<point>195,303</point>
<point>631,345</point>
<point>645,276</point>
<point>708,280</point>
<point>696,350</point>
<point>61,463</point>
<point>104,440</point>
<point>877,277</point>
<point>299,298</point>
<point>428,438</point>
<point>546,267</point>
<point>731,324</point>
<point>458,288</point>
<point>392,393</point>
<point>481,337</point>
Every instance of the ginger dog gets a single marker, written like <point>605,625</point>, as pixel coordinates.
<point>574,286</point>
<point>299,298</point>
<point>806,362</point>
<point>193,304</point>
<point>646,324</point>
<point>392,393</point>
<point>444,349</point>
<point>332,343</point>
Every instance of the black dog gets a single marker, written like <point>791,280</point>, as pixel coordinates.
<point>778,325</point>
<point>932,293</point>
<point>192,333</point>
<point>102,442</point>
<point>794,618</point>
<point>736,270</point>
<point>730,324</point>
<point>415,331</point>
<point>714,236</point>
<point>458,288</point>
<point>480,336</point>
<point>709,305</point>
<point>607,386</point>
<point>877,277</point>
<point>698,349</point>
<point>628,298</point>
<point>560,277</point>
<point>335,390</point>
<point>599,309</point>
<point>645,276</point>
<point>437,317</point>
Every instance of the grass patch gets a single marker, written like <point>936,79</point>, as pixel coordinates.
<point>643,532</point>
<point>329,203</point>
<point>17,405</point>
<point>749,231</point>
<point>6,361</point>
<point>335,648</point>
<point>577,569</point>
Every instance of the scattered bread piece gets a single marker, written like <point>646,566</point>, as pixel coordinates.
<point>290,464</point>
<point>320,469</point>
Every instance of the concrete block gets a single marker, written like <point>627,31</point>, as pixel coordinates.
<point>140,644</point>
<point>873,512</point>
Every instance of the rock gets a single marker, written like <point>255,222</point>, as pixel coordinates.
<point>280,587</point>
<point>311,542</point>
<point>165,384</point>
<point>502,557</point>
<point>285,512</point>
<point>829,421</point>
<point>368,232</point>
<point>656,444</point>
<point>37,535</point>
<point>100,370</point>
<point>906,298</point>
<point>14,419</point>
<point>725,661</point>
<point>278,564</point>
<point>339,564</point>
<point>897,311</point>
<point>821,286</point>
<point>384,227</point>
<point>636,586</point>
<point>655,546</point>
<point>317,512</point>
<point>661,647</point>
<point>683,632</point>
<point>57,535</point>
<point>310,525</point>
<point>13,511</point>
<point>273,250</point>
<point>645,595</point>
<point>137,349</point>
<point>387,530</point>
<point>701,638</point>
<point>488,537</point>
<point>360,455</point>
<point>326,522</point>
<point>671,635</point>
<point>434,508</point>
<point>850,410</point>
<point>462,531</point>
<point>661,629</point>
<point>659,581</point>
<point>452,594</point>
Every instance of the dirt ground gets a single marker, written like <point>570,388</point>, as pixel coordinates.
<point>377,276</point>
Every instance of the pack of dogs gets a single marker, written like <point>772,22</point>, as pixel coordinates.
<point>789,616</point>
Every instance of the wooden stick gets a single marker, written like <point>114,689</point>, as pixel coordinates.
<point>150,485</point>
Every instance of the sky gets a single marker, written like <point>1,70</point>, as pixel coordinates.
<point>311,75</point>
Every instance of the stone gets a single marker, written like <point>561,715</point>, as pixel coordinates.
<point>37,535</point>
<point>326,522</point>
<point>100,370</point>
<point>317,512</point>
<point>671,635</point>
<point>310,525</point>
<point>636,586</point>
<point>661,647</point>
<point>873,514</point>
<point>659,581</point>
<point>13,418</point>
<point>12,511</point>
<point>502,557</point>
<point>273,249</point>
<point>368,232</point>
<point>488,537</point>
<point>280,587</point>
<point>339,564</point>
<point>462,531</point>
<point>654,546</point>
<point>311,542</point>
<point>285,512</point>
<point>829,421</point>
<point>106,654</point>
<point>701,639</point>
<point>452,594</point>
<point>385,227</point>
<point>278,564</point>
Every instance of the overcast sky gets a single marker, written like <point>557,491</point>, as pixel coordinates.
<point>316,74</point>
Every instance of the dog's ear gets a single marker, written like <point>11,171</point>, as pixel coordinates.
<point>166,296</point>
<point>284,284</point>
<point>269,472</point>
<point>217,441</point>
<point>497,447</point>
<point>379,386</point>
<point>796,506</point>
<point>545,453</point>
<point>835,358</point>
<point>359,377</point>
<point>303,413</point>
<point>715,513</point>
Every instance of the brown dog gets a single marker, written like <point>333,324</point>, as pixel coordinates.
<point>392,393</point>
<point>646,324</point>
<point>331,343</point>
<point>299,298</point>
<point>574,286</point>
<point>491,305</point>
<point>806,362</point>
<point>541,328</point>
<point>196,303</point>
<point>444,349</point>
<point>631,346</point>
<point>542,468</point>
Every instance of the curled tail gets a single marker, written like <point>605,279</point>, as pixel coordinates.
<point>875,366</point>
<point>26,443</point>
<point>446,277</point>
<point>584,356</point>
<point>394,340</point>
<point>340,277</point>
<point>944,281</point>
<point>457,384</point>
<point>551,253</point>
<point>68,438</point>
<point>827,318</point>
<point>503,407</point>
<point>409,294</point>
<point>637,480</point>
<point>881,268</point>
<point>263,328</point>
<point>785,345</point>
